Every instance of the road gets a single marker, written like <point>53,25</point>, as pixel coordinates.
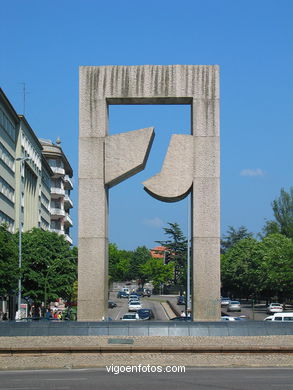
<point>153,303</point>
<point>147,303</point>
<point>192,378</point>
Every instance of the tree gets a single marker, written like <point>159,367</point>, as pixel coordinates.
<point>239,268</point>
<point>49,266</point>
<point>276,267</point>
<point>139,257</point>
<point>177,248</point>
<point>283,213</point>
<point>233,236</point>
<point>156,271</point>
<point>9,271</point>
<point>119,263</point>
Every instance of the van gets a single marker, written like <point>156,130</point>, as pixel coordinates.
<point>283,317</point>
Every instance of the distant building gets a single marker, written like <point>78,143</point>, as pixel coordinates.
<point>61,186</point>
<point>158,252</point>
<point>35,177</point>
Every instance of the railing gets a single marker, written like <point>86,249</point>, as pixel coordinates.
<point>58,212</point>
<point>57,191</point>
<point>68,183</point>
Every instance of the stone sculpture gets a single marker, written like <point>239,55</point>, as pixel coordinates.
<point>102,164</point>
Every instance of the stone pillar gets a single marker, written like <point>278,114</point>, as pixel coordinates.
<point>206,205</point>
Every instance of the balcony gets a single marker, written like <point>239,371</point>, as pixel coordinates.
<point>68,220</point>
<point>68,204</point>
<point>68,239</point>
<point>57,213</point>
<point>58,231</point>
<point>58,171</point>
<point>57,192</point>
<point>68,185</point>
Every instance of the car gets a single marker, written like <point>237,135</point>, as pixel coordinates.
<point>146,293</point>
<point>145,314</point>
<point>133,297</point>
<point>225,301</point>
<point>111,304</point>
<point>134,306</point>
<point>181,300</point>
<point>130,317</point>
<point>234,306</point>
<point>180,318</point>
<point>228,318</point>
<point>283,317</point>
<point>122,294</point>
<point>274,308</point>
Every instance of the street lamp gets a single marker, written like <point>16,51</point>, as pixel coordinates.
<point>21,161</point>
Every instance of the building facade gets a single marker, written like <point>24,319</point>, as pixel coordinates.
<point>61,186</point>
<point>35,177</point>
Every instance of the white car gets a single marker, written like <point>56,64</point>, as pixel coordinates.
<point>227,318</point>
<point>274,308</point>
<point>283,317</point>
<point>130,317</point>
<point>134,306</point>
<point>234,306</point>
<point>225,301</point>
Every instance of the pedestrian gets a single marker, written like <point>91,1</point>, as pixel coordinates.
<point>48,315</point>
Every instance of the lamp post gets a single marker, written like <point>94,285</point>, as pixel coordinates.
<point>188,303</point>
<point>21,162</point>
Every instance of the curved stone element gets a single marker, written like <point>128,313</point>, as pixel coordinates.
<point>126,154</point>
<point>174,181</point>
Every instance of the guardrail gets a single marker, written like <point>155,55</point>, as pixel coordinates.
<point>145,328</point>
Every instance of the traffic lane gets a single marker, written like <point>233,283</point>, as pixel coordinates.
<point>106,378</point>
<point>147,303</point>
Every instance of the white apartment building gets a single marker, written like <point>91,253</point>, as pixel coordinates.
<point>61,185</point>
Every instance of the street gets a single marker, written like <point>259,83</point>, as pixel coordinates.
<point>193,378</point>
<point>153,303</point>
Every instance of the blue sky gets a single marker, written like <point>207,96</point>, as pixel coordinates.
<point>44,42</point>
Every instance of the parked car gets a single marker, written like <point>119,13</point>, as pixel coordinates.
<point>111,304</point>
<point>283,317</point>
<point>134,306</point>
<point>145,314</point>
<point>122,294</point>
<point>234,306</point>
<point>181,300</point>
<point>274,308</point>
<point>225,301</point>
<point>130,317</point>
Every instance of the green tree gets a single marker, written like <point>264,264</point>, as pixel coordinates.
<point>276,267</point>
<point>49,266</point>
<point>283,213</point>
<point>9,271</point>
<point>176,246</point>
<point>233,236</point>
<point>240,268</point>
<point>119,263</point>
<point>156,271</point>
<point>139,257</point>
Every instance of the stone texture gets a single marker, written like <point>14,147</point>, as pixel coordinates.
<point>197,85</point>
<point>126,154</point>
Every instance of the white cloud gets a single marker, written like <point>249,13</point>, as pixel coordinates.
<point>154,222</point>
<point>252,172</point>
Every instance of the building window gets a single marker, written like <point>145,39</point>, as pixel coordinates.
<point>6,190</point>
<point>6,157</point>
<point>5,220</point>
<point>7,125</point>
